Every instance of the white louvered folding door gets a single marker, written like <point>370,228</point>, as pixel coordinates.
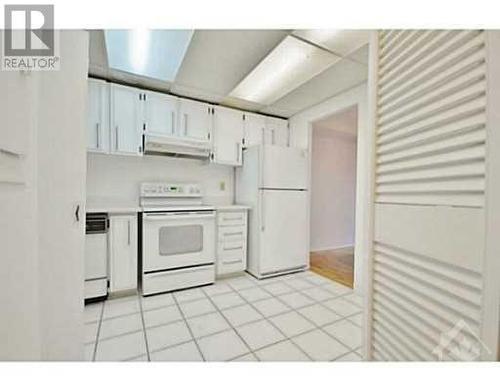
<point>436,139</point>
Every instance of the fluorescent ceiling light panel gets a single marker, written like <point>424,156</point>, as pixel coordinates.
<point>341,42</point>
<point>152,53</point>
<point>290,64</point>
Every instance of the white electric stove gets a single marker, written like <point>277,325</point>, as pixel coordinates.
<point>178,237</point>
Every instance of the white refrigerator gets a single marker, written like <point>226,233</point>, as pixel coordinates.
<point>273,182</point>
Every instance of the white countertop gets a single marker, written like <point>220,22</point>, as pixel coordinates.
<point>232,207</point>
<point>112,205</point>
<point>115,205</point>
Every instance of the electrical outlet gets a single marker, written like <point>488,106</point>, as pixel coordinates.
<point>222,186</point>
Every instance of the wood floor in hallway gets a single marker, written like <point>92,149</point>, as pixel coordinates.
<point>337,264</point>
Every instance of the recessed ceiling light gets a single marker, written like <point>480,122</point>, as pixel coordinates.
<point>153,53</point>
<point>290,64</point>
<point>341,42</point>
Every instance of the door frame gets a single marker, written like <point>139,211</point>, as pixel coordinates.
<point>354,97</point>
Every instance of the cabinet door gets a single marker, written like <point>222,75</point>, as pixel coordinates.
<point>228,136</point>
<point>194,120</point>
<point>160,113</point>
<point>123,253</point>
<point>255,128</point>
<point>277,132</point>
<point>126,112</point>
<point>98,116</point>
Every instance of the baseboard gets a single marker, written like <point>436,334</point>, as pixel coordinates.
<point>331,248</point>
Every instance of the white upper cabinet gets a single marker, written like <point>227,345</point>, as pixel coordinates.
<point>277,132</point>
<point>126,120</point>
<point>228,132</point>
<point>255,128</point>
<point>194,120</point>
<point>160,113</point>
<point>98,137</point>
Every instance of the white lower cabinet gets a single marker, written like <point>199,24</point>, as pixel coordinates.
<point>122,252</point>
<point>231,241</point>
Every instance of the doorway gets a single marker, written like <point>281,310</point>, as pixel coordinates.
<point>333,195</point>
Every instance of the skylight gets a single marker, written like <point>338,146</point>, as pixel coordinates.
<point>156,54</point>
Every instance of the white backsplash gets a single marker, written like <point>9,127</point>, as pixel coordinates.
<point>118,177</point>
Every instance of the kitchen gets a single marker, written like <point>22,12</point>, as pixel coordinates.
<point>158,207</point>
<point>182,194</point>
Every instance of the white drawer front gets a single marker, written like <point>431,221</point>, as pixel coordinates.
<point>177,279</point>
<point>231,266</point>
<point>231,218</point>
<point>232,257</point>
<point>232,234</point>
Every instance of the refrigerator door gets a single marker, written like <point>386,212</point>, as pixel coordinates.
<point>283,167</point>
<point>283,237</point>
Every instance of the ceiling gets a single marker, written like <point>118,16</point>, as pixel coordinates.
<point>219,66</point>
<point>345,121</point>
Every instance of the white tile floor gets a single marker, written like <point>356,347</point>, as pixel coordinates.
<point>298,317</point>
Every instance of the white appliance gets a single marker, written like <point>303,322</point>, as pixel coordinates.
<point>273,182</point>
<point>178,238</point>
<point>96,256</point>
<point>174,146</point>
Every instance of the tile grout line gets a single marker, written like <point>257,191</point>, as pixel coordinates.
<point>148,355</point>
<point>266,318</point>
<point>228,322</point>
<point>189,328</point>
<point>235,290</point>
<point>98,332</point>
<point>296,311</point>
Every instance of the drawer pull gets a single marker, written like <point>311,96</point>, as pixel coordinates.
<point>233,234</point>
<point>233,248</point>
<point>232,218</point>
<point>232,262</point>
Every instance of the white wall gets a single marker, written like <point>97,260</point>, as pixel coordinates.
<point>19,324</point>
<point>301,136</point>
<point>333,189</point>
<point>118,177</point>
<point>41,259</point>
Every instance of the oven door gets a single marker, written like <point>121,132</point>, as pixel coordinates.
<point>177,239</point>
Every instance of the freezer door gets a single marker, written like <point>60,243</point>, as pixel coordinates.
<point>283,230</point>
<point>283,167</point>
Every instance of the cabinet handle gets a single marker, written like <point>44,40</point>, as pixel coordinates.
<point>273,137</point>
<point>128,232</point>
<point>262,212</point>
<point>116,137</point>
<point>238,154</point>
<point>77,213</point>
<point>185,124</point>
<point>97,135</point>
<point>173,122</point>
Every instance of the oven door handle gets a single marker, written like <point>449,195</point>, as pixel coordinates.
<point>169,217</point>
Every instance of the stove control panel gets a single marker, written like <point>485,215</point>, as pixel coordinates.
<point>157,189</point>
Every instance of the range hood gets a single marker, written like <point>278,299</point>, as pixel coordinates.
<point>176,147</point>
